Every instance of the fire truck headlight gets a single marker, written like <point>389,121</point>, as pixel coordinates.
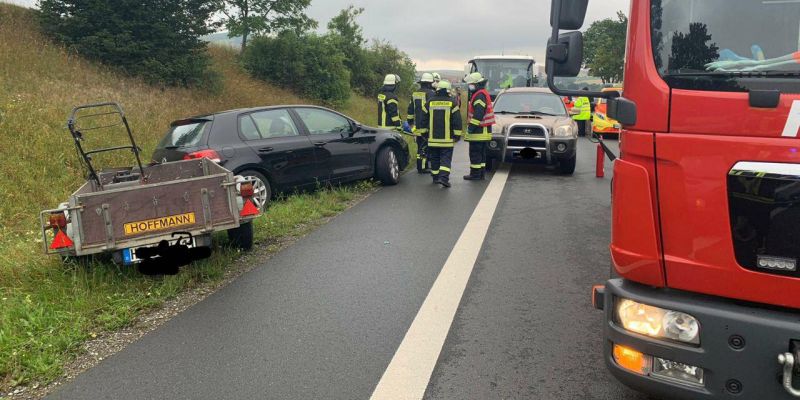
<point>657,322</point>
<point>563,131</point>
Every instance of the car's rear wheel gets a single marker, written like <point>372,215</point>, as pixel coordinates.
<point>262,191</point>
<point>387,168</point>
<point>567,166</point>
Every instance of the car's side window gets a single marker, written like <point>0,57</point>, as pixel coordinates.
<point>274,123</point>
<point>321,122</point>
<point>248,128</point>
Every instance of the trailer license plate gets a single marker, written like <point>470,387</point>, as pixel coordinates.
<point>129,255</point>
<point>159,224</point>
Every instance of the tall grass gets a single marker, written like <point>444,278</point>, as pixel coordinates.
<point>46,309</point>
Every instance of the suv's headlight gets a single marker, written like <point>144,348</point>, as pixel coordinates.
<point>657,322</point>
<point>563,131</point>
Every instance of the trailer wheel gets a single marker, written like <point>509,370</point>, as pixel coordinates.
<point>242,237</point>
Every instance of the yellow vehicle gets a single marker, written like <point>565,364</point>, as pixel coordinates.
<point>601,123</point>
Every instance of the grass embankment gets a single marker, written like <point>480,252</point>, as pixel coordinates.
<point>48,310</point>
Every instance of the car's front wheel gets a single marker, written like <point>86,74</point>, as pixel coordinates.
<point>387,167</point>
<point>567,166</point>
<point>262,191</point>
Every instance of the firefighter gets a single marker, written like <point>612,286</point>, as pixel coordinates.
<point>415,116</point>
<point>388,105</point>
<point>480,116</point>
<point>442,119</point>
<point>582,104</point>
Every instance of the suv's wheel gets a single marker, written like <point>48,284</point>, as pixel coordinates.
<point>387,167</point>
<point>568,166</point>
<point>242,237</point>
<point>262,191</point>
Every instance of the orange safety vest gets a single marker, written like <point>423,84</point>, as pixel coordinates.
<point>488,118</point>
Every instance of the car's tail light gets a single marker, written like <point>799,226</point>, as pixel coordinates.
<point>58,222</point>
<point>209,154</point>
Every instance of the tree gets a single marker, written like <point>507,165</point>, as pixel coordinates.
<point>604,48</point>
<point>159,40</point>
<point>308,64</point>
<point>260,17</point>
<point>690,50</point>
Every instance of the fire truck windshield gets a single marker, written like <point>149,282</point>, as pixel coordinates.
<point>726,44</point>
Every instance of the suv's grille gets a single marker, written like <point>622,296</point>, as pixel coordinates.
<point>765,219</point>
<point>534,131</point>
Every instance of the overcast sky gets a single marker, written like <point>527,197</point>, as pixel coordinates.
<point>444,34</point>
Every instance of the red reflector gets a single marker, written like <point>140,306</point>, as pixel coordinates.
<point>249,209</point>
<point>61,241</point>
<point>209,154</point>
<point>58,220</point>
<point>246,190</point>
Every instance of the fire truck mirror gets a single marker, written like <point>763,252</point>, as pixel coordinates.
<point>566,55</point>
<point>570,13</point>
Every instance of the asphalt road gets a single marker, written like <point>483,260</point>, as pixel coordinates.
<point>323,318</point>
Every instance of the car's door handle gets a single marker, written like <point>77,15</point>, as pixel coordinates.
<point>265,149</point>
<point>320,144</point>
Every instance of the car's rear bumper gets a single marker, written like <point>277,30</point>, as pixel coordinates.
<point>738,351</point>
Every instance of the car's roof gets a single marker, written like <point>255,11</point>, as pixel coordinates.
<point>527,90</point>
<point>237,111</point>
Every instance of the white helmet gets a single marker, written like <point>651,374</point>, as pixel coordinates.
<point>436,77</point>
<point>474,78</point>
<point>426,78</point>
<point>444,85</point>
<point>391,80</point>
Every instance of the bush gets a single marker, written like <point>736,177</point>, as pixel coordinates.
<point>307,63</point>
<point>157,40</point>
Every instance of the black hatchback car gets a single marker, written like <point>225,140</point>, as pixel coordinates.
<point>284,148</point>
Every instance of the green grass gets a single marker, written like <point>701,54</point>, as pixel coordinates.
<point>48,310</point>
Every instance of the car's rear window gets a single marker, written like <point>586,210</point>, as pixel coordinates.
<point>185,135</point>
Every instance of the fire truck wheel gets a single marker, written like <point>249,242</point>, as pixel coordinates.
<point>242,237</point>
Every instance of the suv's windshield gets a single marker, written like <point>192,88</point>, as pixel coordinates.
<point>187,135</point>
<point>529,103</point>
<point>503,74</point>
<point>742,40</point>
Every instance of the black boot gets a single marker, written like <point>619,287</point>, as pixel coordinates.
<point>474,175</point>
<point>444,182</point>
<point>435,178</point>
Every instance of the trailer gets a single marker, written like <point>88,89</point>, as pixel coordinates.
<point>160,216</point>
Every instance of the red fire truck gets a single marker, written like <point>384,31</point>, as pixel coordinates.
<point>706,196</point>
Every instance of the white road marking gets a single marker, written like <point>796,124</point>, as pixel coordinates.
<point>410,370</point>
<point>792,121</point>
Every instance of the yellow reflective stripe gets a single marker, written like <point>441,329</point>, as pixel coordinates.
<point>476,166</point>
<point>381,97</point>
<point>483,165</point>
<point>474,121</point>
<point>391,101</point>
<point>444,169</point>
<point>396,119</point>
<point>458,133</point>
<point>435,172</point>
<point>479,102</point>
<point>455,110</point>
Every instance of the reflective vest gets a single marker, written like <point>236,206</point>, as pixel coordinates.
<point>384,117</point>
<point>582,104</point>
<point>488,118</point>
<point>443,125</point>
<point>418,100</point>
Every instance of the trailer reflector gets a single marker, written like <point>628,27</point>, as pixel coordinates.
<point>61,241</point>
<point>249,209</point>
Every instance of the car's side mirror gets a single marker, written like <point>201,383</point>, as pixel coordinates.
<point>355,127</point>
